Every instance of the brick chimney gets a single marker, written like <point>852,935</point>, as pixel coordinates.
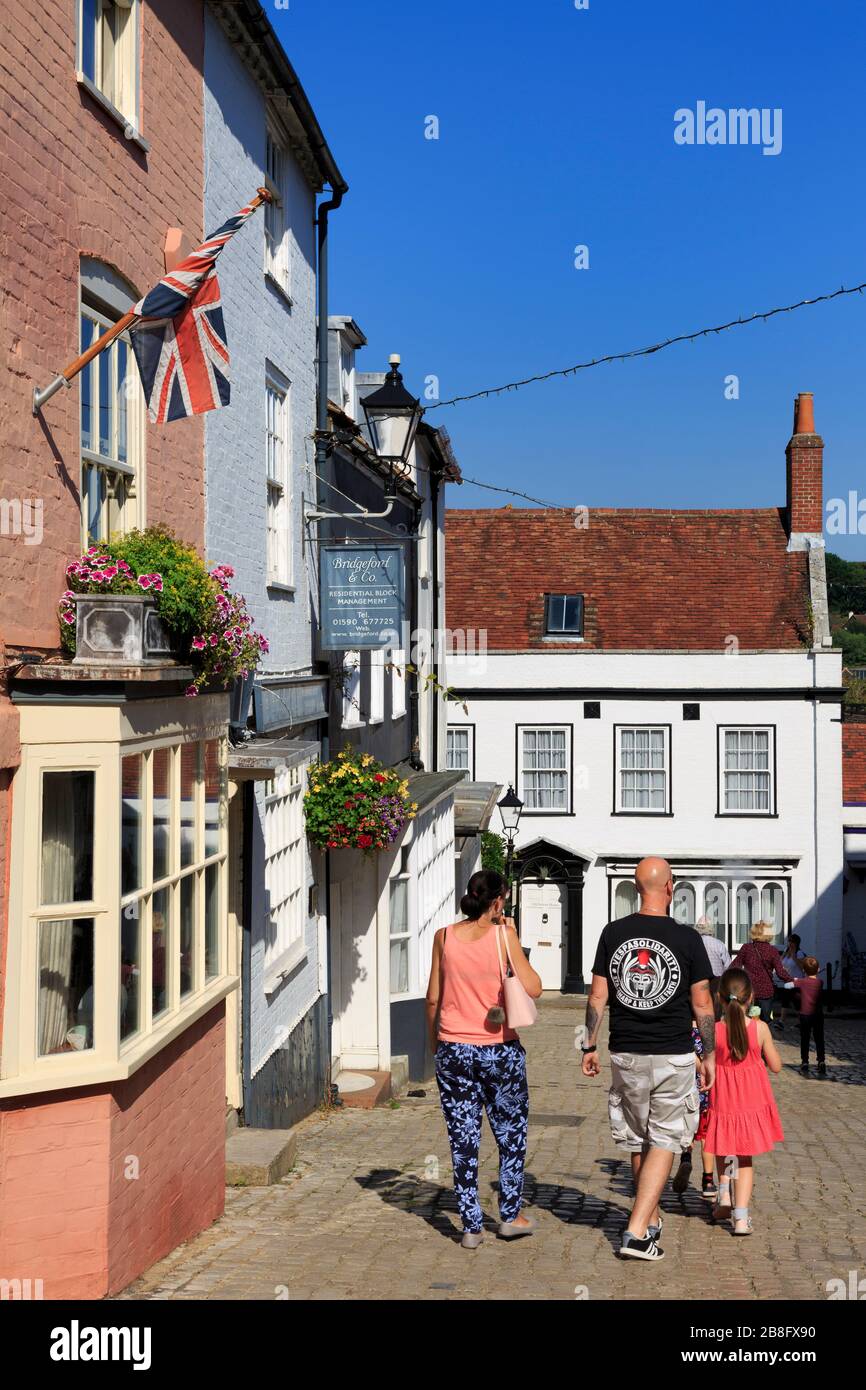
<point>805,466</point>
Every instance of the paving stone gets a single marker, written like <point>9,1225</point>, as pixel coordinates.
<point>367,1211</point>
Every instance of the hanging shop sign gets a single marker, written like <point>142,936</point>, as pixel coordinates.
<point>363,596</point>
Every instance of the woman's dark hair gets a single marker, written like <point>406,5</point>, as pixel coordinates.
<point>481,890</point>
<point>735,996</point>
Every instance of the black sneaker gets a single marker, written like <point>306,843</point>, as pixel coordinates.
<point>804,1069</point>
<point>634,1249</point>
<point>709,1187</point>
<point>822,1068</point>
<point>683,1175</point>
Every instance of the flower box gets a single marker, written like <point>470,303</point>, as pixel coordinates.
<point>119,629</point>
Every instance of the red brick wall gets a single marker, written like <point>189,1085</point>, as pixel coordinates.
<point>70,1215</point>
<point>854,764</point>
<point>73,186</point>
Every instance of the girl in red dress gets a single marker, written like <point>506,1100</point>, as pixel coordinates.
<point>743,1119</point>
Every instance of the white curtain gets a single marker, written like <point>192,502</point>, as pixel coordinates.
<point>58,886</point>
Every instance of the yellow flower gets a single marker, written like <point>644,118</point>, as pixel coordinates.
<point>366,759</point>
<point>414,805</point>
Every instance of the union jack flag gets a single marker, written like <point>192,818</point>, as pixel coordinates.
<point>179,339</point>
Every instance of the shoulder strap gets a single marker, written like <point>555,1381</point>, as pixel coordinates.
<point>502,971</point>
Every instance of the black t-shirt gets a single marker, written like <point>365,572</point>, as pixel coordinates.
<point>651,964</point>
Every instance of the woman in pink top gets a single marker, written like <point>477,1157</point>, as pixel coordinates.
<point>480,1061</point>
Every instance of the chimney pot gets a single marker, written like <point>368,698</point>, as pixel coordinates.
<point>804,418</point>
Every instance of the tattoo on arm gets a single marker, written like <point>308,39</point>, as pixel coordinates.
<point>593,1019</point>
<point>707,1029</point>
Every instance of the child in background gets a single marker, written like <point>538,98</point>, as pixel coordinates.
<point>684,1172</point>
<point>743,1119</point>
<point>810,998</point>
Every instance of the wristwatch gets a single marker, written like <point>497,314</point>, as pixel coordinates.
<point>593,1047</point>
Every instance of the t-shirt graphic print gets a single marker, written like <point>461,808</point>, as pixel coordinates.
<point>650,964</point>
<point>645,973</point>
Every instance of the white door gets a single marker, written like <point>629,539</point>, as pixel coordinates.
<point>543,930</point>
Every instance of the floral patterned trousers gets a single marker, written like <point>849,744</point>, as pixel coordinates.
<point>471,1078</point>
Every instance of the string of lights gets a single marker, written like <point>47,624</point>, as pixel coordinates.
<point>647,351</point>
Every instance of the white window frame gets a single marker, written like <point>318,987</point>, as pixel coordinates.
<point>286,881</point>
<point>122,100</point>
<point>724,773</point>
<point>527,796</point>
<point>278,471</point>
<point>278,265</point>
<point>399,678</point>
<point>451,765</point>
<point>407,936</point>
<point>350,690</point>
<point>620,808</point>
<point>98,739</point>
<point>112,488</point>
<point>376,676</point>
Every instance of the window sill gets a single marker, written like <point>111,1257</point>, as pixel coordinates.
<point>47,1075</point>
<point>134,136</point>
<point>656,815</point>
<point>281,290</point>
<point>280,586</point>
<point>747,815</point>
<point>284,965</point>
<point>571,638</point>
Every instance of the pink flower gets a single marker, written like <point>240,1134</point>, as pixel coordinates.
<point>214,639</point>
<point>97,576</point>
<point>144,581</point>
<point>67,617</point>
<point>191,690</point>
<point>110,571</point>
<point>67,593</point>
<point>198,643</point>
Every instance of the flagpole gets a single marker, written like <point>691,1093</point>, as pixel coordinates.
<point>68,375</point>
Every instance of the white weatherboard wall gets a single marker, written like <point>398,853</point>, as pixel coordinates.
<point>806,832</point>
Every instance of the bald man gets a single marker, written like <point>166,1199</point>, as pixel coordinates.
<point>655,974</point>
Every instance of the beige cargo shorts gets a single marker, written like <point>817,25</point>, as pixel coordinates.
<point>653,1101</point>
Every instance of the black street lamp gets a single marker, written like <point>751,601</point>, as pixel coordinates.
<point>510,808</point>
<point>393,417</point>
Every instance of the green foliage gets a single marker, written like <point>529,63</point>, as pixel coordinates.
<point>853,646</point>
<point>846,585</point>
<point>188,594</point>
<point>493,851</point>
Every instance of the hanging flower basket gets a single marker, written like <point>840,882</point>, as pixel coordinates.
<point>354,802</point>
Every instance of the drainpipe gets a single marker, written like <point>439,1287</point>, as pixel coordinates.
<point>249,805</point>
<point>415,759</point>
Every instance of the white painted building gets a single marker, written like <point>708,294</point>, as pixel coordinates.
<point>658,682</point>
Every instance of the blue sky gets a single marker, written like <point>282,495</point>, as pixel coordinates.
<point>556,130</point>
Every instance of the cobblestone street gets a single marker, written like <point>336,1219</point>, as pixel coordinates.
<point>367,1212</point>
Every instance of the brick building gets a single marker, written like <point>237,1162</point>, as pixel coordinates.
<point>658,682</point>
<point>113,967</point>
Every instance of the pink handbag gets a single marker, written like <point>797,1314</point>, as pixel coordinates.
<point>520,1010</point>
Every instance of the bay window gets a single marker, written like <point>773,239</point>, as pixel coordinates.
<point>731,905</point>
<point>118,892</point>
